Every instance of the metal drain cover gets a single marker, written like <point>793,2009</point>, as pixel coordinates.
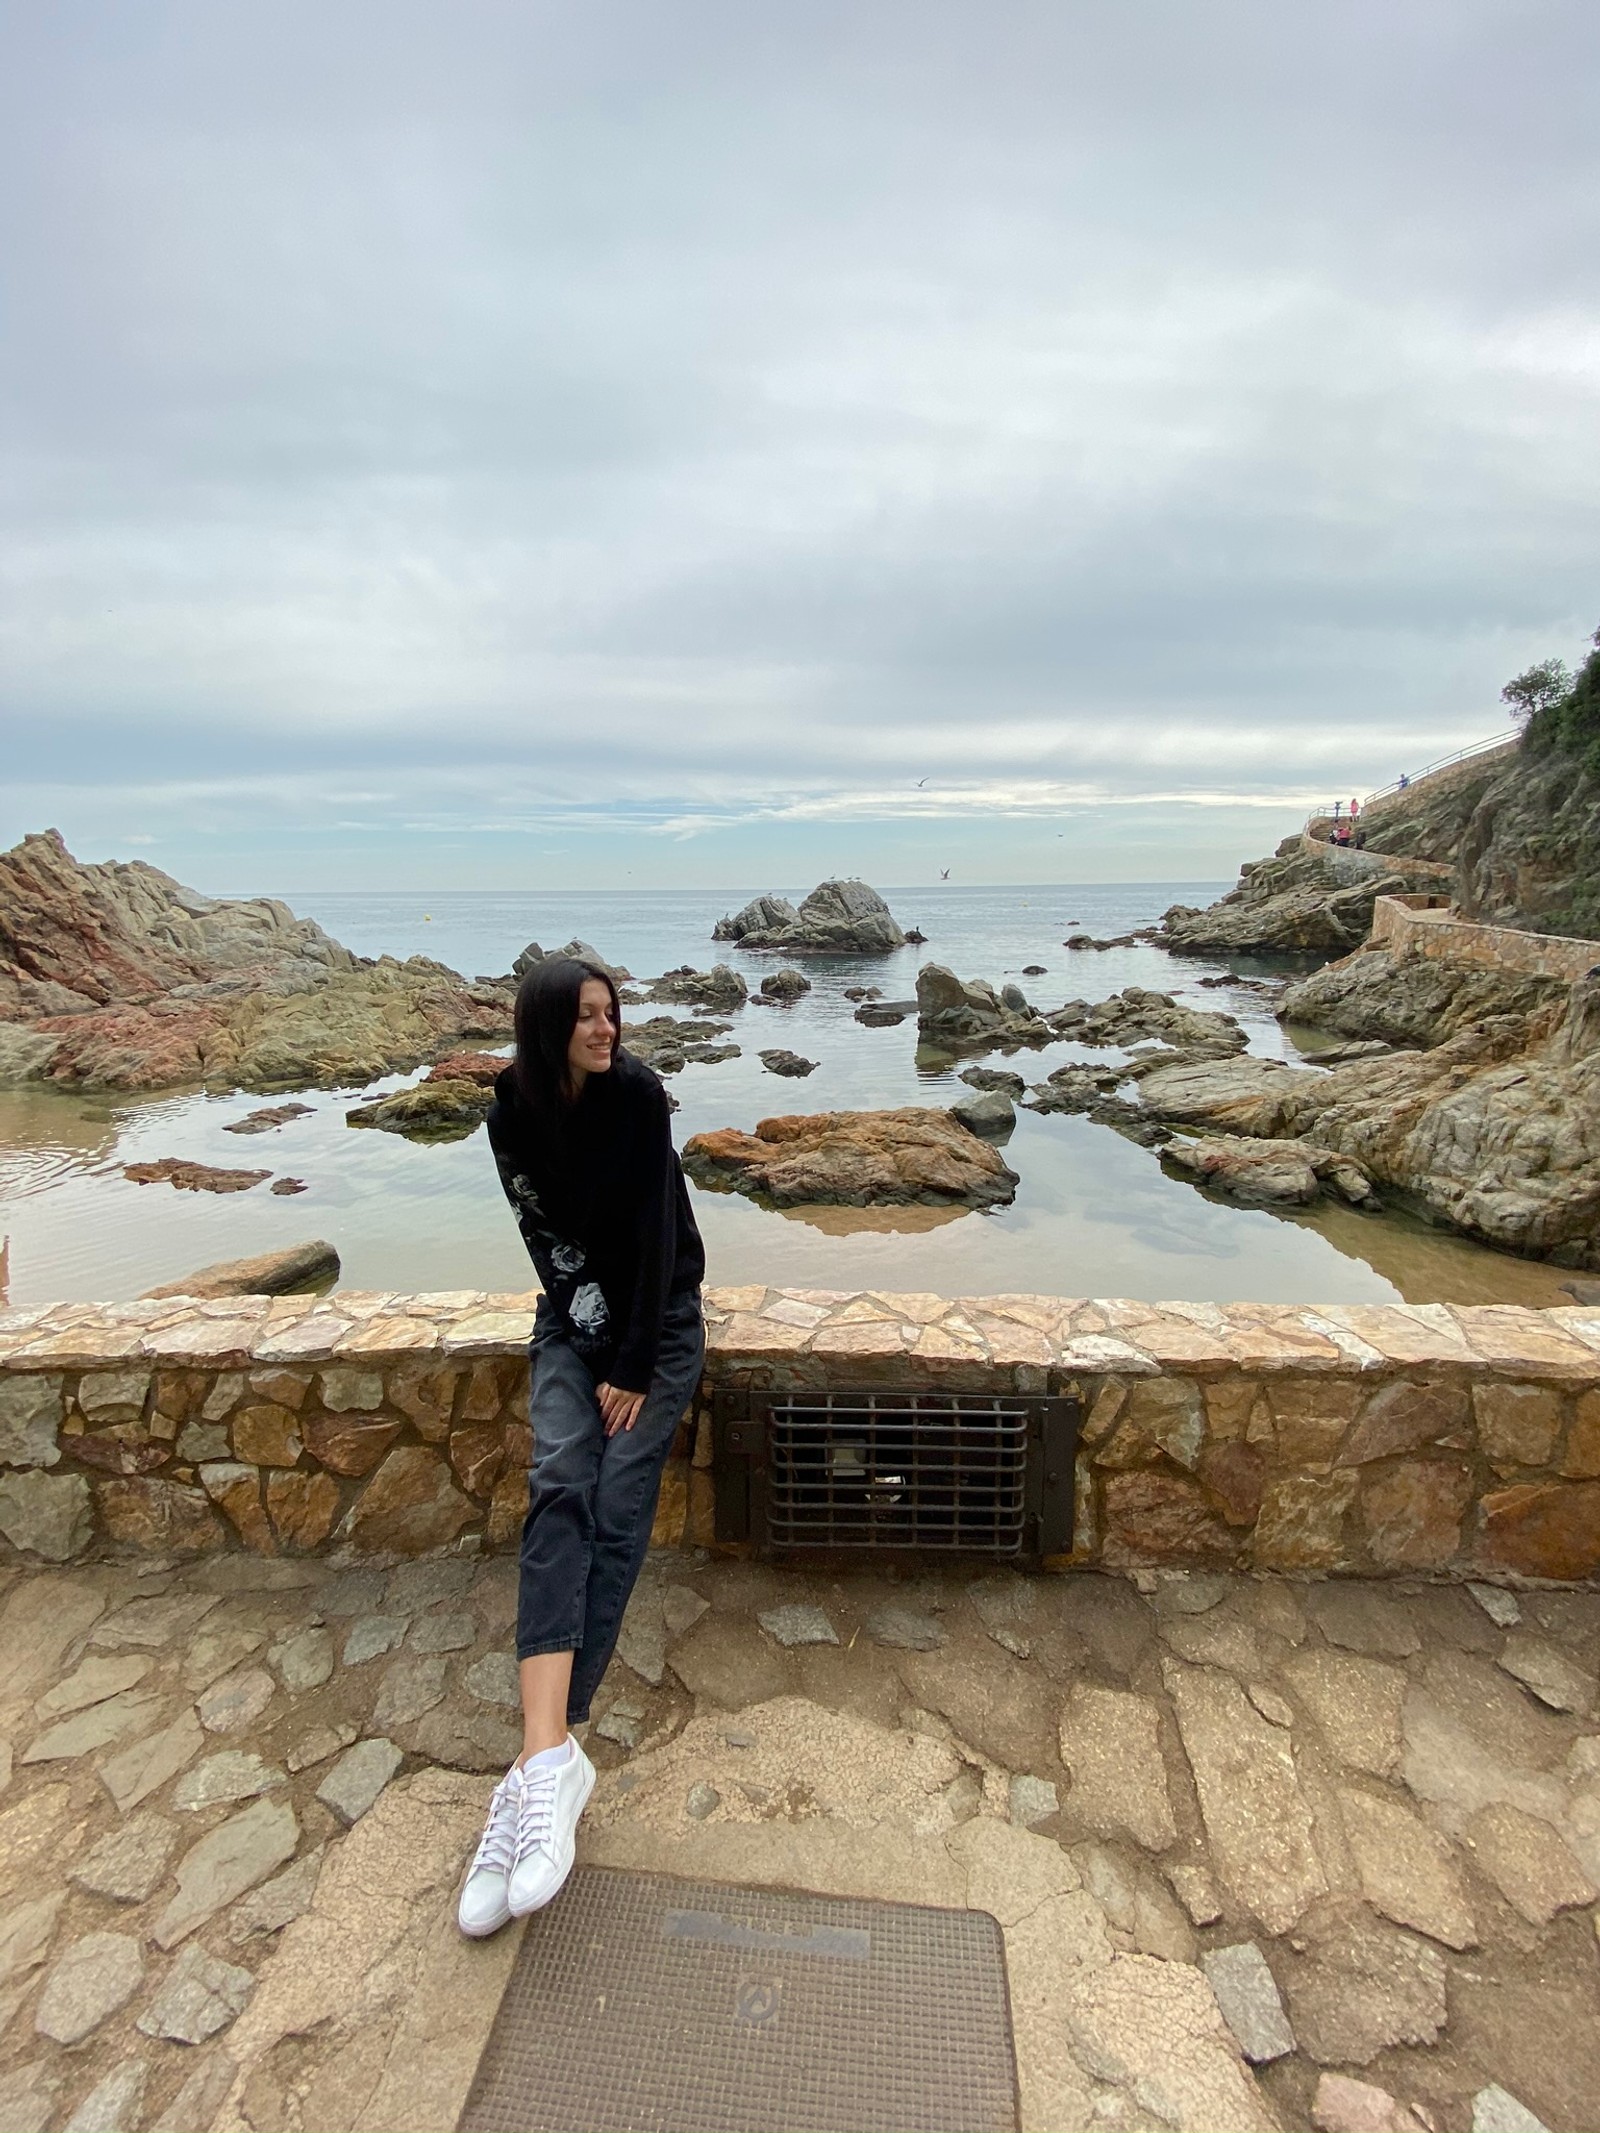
<point>642,2002</point>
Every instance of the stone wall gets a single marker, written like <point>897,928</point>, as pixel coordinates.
<point>1410,928</point>
<point>1349,1439</point>
<point>1350,863</point>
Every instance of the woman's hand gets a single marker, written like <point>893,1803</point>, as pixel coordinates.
<point>618,1409</point>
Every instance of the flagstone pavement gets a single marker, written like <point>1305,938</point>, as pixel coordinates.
<point>1266,1854</point>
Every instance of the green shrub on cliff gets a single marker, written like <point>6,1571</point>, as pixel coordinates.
<point>1567,722</point>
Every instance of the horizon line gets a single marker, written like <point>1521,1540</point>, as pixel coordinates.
<point>920,888</point>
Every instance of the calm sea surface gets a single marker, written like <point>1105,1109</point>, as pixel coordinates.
<point>1093,1215</point>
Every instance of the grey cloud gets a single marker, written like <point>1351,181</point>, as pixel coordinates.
<point>730,405</point>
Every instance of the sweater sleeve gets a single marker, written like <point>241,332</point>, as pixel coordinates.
<point>523,1206</point>
<point>657,1236</point>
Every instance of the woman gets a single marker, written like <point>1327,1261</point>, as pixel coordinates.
<point>581,1135</point>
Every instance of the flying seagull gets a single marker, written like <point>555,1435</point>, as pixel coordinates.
<point>944,874</point>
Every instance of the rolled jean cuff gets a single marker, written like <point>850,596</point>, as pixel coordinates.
<point>550,1644</point>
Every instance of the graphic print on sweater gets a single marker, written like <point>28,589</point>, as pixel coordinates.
<point>560,1265</point>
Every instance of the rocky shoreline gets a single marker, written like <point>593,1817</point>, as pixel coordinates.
<point>118,977</point>
<point>1466,1094</point>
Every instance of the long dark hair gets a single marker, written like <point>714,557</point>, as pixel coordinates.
<point>546,1014</point>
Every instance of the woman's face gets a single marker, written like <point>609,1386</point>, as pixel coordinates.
<point>594,1032</point>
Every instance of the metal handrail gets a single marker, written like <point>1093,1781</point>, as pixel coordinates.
<point>1496,740</point>
<point>1336,810</point>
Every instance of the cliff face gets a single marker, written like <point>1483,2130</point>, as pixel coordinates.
<point>1490,1116</point>
<point>75,937</point>
<point>117,976</point>
<point>1519,828</point>
<point>1529,854</point>
<point>1429,819</point>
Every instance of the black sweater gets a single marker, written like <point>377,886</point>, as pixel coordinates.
<point>605,1214</point>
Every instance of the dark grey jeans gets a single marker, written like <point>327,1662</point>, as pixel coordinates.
<point>592,1498</point>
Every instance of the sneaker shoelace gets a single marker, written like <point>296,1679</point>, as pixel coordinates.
<point>536,1808</point>
<point>497,1848</point>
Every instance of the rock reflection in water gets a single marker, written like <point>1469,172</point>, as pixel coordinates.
<point>875,1221</point>
<point>1427,1265</point>
<point>1093,1214</point>
<point>44,1134</point>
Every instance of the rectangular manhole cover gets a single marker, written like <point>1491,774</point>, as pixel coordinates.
<point>642,2002</point>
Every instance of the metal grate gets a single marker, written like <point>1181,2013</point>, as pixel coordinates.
<point>918,1472</point>
<point>875,1470</point>
<point>639,2001</point>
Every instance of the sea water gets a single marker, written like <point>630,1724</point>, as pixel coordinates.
<point>1094,1214</point>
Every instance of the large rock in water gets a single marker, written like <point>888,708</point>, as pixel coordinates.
<point>117,976</point>
<point>912,1157</point>
<point>1496,1130</point>
<point>1269,1173</point>
<point>687,987</point>
<point>450,1102</point>
<point>1297,902</point>
<point>967,1014</point>
<point>1413,999</point>
<point>73,937</point>
<point>1139,1016</point>
<point>578,951</point>
<point>763,920</point>
<point>667,1046</point>
<point>957,1015</point>
<point>291,1272</point>
<point>838,917</point>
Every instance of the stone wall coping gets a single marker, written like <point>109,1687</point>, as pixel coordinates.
<point>1323,1439</point>
<point>1452,938</point>
<point>836,1333</point>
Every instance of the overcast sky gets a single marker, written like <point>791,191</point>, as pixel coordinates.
<point>677,442</point>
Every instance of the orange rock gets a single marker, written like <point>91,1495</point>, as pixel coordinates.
<point>236,1491</point>
<point>303,1508</point>
<point>508,1507</point>
<point>1412,1512</point>
<point>410,1505</point>
<point>267,1435</point>
<point>898,1158</point>
<point>1156,1517</point>
<point>476,1454</point>
<point>481,1067</point>
<point>150,1512</point>
<point>350,1444</point>
<point>1546,1529</point>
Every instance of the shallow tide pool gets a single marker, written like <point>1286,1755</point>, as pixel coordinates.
<point>1094,1215</point>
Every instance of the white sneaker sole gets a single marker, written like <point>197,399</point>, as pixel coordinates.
<point>527,1910</point>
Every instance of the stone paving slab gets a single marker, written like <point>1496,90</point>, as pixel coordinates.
<point>1263,1850</point>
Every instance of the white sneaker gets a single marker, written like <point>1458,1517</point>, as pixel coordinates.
<point>551,1798</point>
<point>484,1907</point>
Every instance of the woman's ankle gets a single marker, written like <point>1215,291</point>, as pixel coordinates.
<point>537,1744</point>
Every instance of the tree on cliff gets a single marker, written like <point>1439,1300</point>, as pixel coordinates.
<point>1568,724</point>
<point>1537,688</point>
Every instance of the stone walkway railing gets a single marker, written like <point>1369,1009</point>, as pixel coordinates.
<point>1412,930</point>
<point>1351,863</point>
<point>1425,1438</point>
